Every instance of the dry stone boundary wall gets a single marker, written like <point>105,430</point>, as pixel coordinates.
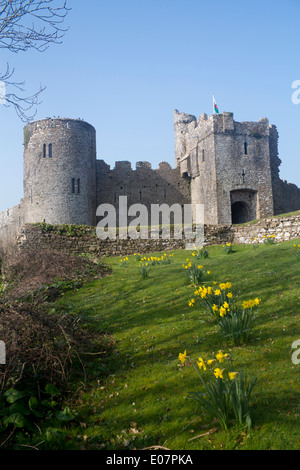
<point>33,237</point>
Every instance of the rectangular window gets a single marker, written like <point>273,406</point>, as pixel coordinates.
<point>44,150</point>
<point>78,186</point>
<point>73,185</point>
<point>50,150</point>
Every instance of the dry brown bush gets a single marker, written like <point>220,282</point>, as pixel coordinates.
<point>27,270</point>
<point>44,347</point>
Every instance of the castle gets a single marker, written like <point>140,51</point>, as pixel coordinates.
<point>232,168</point>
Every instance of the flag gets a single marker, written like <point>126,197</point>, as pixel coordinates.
<point>216,109</point>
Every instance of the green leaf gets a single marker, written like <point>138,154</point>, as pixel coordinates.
<point>13,395</point>
<point>65,415</point>
<point>52,390</point>
<point>53,433</point>
<point>33,403</point>
<point>16,419</point>
<point>18,408</point>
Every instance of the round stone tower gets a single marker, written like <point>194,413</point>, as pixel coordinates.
<point>60,172</point>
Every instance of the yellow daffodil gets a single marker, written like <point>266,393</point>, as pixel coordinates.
<point>222,311</point>
<point>229,295</point>
<point>218,373</point>
<point>201,364</point>
<point>220,356</point>
<point>215,308</point>
<point>182,357</point>
<point>231,375</point>
<point>217,292</point>
<point>225,305</point>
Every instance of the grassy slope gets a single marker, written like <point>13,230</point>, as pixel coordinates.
<point>143,400</point>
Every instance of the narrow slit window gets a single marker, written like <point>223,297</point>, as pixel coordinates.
<point>50,150</point>
<point>246,148</point>
<point>78,186</point>
<point>203,155</point>
<point>44,150</point>
<point>73,185</point>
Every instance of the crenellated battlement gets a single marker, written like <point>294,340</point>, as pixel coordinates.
<point>229,167</point>
<point>231,164</point>
<point>121,166</point>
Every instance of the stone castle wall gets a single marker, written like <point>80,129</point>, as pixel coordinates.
<point>60,172</point>
<point>33,237</point>
<point>143,185</point>
<point>228,162</point>
<point>219,163</point>
<point>11,220</point>
<point>286,195</point>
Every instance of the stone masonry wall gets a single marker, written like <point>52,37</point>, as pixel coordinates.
<point>11,220</point>
<point>226,159</point>
<point>32,237</point>
<point>143,185</point>
<point>60,172</point>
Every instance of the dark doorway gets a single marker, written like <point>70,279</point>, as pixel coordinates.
<point>240,212</point>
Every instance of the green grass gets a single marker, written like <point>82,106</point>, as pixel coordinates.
<point>137,395</point>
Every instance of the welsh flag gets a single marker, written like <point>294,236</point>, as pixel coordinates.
<point>216,109</point>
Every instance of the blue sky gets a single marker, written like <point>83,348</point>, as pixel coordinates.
<point>125,65</point>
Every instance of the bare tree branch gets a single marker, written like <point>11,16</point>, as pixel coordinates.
<point>25,106</point>
<point>28,24</point>
<point>31,24</point>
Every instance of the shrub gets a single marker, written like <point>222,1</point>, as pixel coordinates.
<point>236,326</point>
<point>201,253</point>
<point>228,248</point>
<point>124,262</point>
<point>269,239</point>
<point>215,300</point>
<point>235,323</point>
<point>144,270</point>
<point>226,393</point>
<point>194,271</point>
<point>297,249</point>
